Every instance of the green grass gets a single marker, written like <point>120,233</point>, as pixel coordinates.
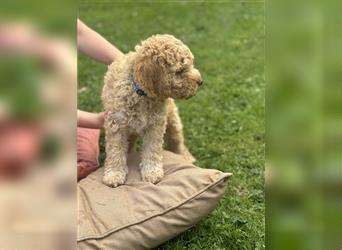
<point>224,123</point>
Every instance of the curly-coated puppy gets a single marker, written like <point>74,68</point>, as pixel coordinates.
<point>137,99</point>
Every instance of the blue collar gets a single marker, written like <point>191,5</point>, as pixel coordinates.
<point>136,87</point>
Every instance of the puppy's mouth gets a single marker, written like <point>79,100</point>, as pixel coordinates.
<point>189,96</point>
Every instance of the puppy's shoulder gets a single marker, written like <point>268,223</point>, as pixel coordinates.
<point>117,87</point>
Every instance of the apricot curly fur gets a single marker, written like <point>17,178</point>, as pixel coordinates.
<point>163,67</point>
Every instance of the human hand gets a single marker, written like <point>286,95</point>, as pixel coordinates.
<point>90,120</point>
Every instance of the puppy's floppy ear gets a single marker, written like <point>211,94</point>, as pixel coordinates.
<point>149,75</point>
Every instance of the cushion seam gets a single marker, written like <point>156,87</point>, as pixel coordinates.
<point>89,237</point>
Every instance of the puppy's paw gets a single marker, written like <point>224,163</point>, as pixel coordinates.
<point>187,155</point>
<point>114,178</point>
<point>152,172</point>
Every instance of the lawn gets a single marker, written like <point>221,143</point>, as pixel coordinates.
<point>224,123</point>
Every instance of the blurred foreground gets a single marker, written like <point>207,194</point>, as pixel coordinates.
<point>304,121</point>
<point>37,132</point>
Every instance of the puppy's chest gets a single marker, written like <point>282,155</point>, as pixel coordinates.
<point>140,114</point>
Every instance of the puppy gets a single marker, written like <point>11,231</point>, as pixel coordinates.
<point>138,101</point>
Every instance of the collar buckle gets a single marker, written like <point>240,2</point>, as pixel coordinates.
<point>136,87</point>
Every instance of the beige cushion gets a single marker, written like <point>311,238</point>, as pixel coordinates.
<point>140,215</point>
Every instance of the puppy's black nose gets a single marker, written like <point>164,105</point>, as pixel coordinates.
<point>200,82</point>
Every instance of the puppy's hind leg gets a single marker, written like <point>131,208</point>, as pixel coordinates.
<point>174,136</point>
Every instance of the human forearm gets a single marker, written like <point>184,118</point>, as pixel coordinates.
<point>95,46</point>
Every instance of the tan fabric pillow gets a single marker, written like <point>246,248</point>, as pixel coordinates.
<point>140,215</point>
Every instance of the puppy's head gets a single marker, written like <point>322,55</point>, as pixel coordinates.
<point>164,67</point>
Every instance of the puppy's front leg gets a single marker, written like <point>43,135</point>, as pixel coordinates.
<point>116,158</point>
<point>152,165</point>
